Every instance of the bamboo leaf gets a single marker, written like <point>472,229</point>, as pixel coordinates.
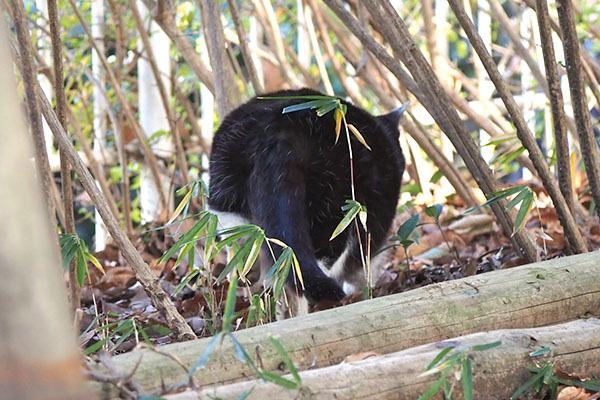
<point>307,105</point>
<point>204,358</point>
<point>408,227</point>
<point>350,215</point>
<point>467,379</point>
<point>339,115</point>
<point>358,135</point>
<point>440,356</point>
<point>286,359</point>
<point>185,201</point>
<point>523,212</point>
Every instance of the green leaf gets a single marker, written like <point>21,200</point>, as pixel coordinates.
<point>306,105</point>
<point>540,352</point>
<point>241,255</point>
<point>434,211</point>
<point>324,109</point>
<point>81,267</point>
<point>493,197</point>
<point>190,236</point>
<point>204,358</point>
<point>487,346</point>
<point>437,175</point>
<point>523,212</point>
<point>185,281</point>
<point>439,357</point>
<point>278,380</point>
<point>436,386</point>
<point>353,208</point>
<point>528,385</point>
<point>253,253</point>
<point>286,359</point>
<point>467,379</point>
<point>408,227</point>
<point>230,302</point>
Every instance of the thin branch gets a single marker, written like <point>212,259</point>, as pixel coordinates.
<point>65,168</point>
<point>215,43</point>
<point>248,61</point>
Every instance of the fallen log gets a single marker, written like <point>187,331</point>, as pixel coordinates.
<point>497,372</point>
<point>533,295</point>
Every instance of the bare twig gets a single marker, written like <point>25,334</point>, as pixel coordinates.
<point>248,61</point>
<point>215,42</point>
<point>65,168</point>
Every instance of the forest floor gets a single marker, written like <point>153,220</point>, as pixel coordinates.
<point>118,314</point>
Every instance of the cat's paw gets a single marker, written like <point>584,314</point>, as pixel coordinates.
<point>322,289</point>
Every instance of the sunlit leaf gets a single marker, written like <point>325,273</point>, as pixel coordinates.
<point>339,115</point>
<point>352,212</point>
<point>358,135</point>
<point>523,212</point>
<point>439,357</point>
<point>184,202</point>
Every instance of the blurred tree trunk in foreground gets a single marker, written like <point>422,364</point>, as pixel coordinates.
<point>39,358</point>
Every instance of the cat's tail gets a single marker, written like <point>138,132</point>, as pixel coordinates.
<point>277,200</point>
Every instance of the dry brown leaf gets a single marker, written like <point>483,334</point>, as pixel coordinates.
<point>572,393</point>
<point>471,224</point>
<point>360,356</point>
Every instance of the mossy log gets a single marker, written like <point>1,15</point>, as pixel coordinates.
<point>497,372</point>
<point>533,295</point>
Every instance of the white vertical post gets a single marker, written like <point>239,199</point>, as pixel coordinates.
<point>303,42</point>
<point>527,98</point>
<point>153,117</point>
<point>254,39</point>
<point>46,55</point>
<point>99,107</point>
<point>207,109</point>
<point>486,87</point>
<point>440,19</point>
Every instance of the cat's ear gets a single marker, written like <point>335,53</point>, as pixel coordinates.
<point>393,117</point>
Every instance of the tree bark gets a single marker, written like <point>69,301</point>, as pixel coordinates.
<point>559,119</point>
<point>534,295</point>
<point>587,141</point>
<point>398,375</point>
<point>39,358</point>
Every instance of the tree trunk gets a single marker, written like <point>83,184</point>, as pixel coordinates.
<point>39,358</point>
<point>538,294</point>
<point>397,375</point>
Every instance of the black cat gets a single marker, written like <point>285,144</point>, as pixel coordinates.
<point>286,174</point>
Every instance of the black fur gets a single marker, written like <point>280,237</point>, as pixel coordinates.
<point>285,173</point>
